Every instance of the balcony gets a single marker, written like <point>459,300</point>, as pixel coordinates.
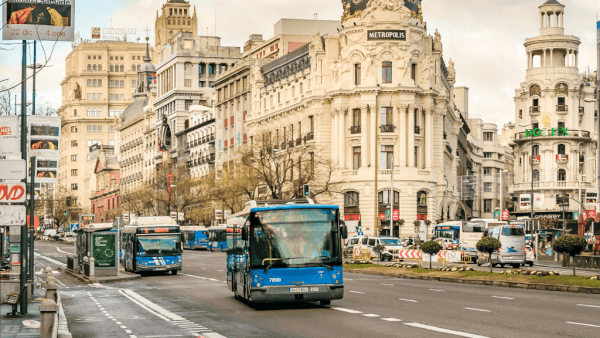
<point>562,158</point>
<point>387,128</point>
<point>298,141</point>
<point>417,130</point>
<point>562,109</point>
<point>534,159</point>
<point>355,130</point>
<point>534,110</point>
<point>310,136</point>
<point>290,143</point>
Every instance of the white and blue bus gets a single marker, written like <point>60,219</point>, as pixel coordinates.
<point>152,244</point>
<point>194,237</point>
<point>217,238</point>
<point>284,251</point>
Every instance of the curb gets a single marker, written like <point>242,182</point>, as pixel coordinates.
<point>507,284</point>
<point>102,279</point>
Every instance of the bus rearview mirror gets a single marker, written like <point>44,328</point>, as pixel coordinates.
<point>244,234</point>
<point>344,230</point>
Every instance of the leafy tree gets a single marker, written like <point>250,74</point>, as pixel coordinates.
<point>571,245</point>
<point>431,248</point>
<point>489,245</point>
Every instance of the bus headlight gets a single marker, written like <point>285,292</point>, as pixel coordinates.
<point>258,284</point>
<point>337,282</point>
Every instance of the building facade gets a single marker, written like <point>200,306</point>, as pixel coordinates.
<point>99,84</point>
<point>199,137</point>
<point>369,98</point>
<point>556,125</point>
<point>105,194</point>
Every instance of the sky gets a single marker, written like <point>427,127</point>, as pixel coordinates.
<point>484,38</point>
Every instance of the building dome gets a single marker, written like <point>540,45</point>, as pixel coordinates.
<point>354,8</point>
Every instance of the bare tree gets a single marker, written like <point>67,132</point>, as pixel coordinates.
<point>6,106</point>
<point>45,109</point>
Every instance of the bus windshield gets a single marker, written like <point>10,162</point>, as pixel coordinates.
<point>390,242</point>
<point>513,231</point>
<point>294,237</point>
<point>161,245</point>
<point>475,227</point>
<point>446,233</point>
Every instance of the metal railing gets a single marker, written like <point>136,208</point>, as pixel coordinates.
<point>417,130</point>
<point>562,108</point>
<point>355,130</point>
<point>534,109</point>
<point>387,128</point>
<point>310,136</point>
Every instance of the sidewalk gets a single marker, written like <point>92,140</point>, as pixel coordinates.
<point>12,326</point>
<point>123,276</point>
<point>557,265</point>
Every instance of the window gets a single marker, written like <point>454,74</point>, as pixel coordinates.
<point>188,83</point>
<point>89,82</point>
<point>487,171</point>
<point>201,68</point>
<point>99,68</point>
<point>562,175</point>
<point>89,68</point>
<point>112,129</point>
<point>487,206</point>
<point>561,127</point>
<point>351,199</point>
<point>74,143</point>
<point>211,69</point>
<point>487,187</point>
<point>111,113</point>
<point>89,112</point>
<point>95,129</point>
<point>488,137</point>
<point>89,129</point>
<point>73,158</point>
<point>74,186</point>
<point>536,175</point>
<point>561,149</point>
<point>386,72</point>
<point>487,155</point>
<point>122,97</point>
<point>356,158</point>
<point>73,172</point>
<point>413,71</point>
<point>122,68</point>
<point>536,150</point>
<point>122,84</point>
<point>357,75</point>
<point>111,143</point>
<point>561,101</point>
<point>99,129</point>
<point>100,112</point>
<point>387,155</point>
<point>133,83</point>
<point>74,112</point>
<point>73,129</point>
<point>356,117</point>
<point>386,117</point>
<point>384,197</point>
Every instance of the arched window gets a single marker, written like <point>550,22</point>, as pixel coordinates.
<point>536,175</point>
<point>351,199</point>
<point>536,150</point>
<point>111,113</point>
<point>121,111</point>
<point>384,197</point>
<point>112,68</point>
<point>138,67</point>
<point>422,205</point>
<point>74,112</point>
<point>122,69</point>
<point>100,112</point>
<point>89,112</point>
<point>562,175</point>
<point>95,68</point>
<point>89,68</point>
<point>133,68</point>
<point>99,68</point>
<point>95,112</point>
<point>561,149</point>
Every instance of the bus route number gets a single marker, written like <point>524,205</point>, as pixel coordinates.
<point>275,280</point>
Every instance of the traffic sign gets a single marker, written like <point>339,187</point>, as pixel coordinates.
<point>74,226</point>
<point>12,214</point>
<point>12,192</point>
<point>36,222</point>
<point>361,233</point>
<point>13,170</point>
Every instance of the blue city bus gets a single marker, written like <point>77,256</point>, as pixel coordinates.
<point>447,231</point>
<point>152,244</point>
<point>283,252</point>
<point>194,237</point>
<point>217,238</point>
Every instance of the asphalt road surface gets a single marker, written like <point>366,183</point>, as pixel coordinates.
<point>196,303</point>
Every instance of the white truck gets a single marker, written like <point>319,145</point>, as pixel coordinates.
<point>48,234</point>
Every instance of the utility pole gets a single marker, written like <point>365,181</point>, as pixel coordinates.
<point>24,230</point>
<point>597,104</point>
<point>32,218</point>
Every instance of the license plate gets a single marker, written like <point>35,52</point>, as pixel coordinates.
<point>160,269</point>
<point>313,289</point>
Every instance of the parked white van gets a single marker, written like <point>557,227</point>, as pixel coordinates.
<point>512,252</point>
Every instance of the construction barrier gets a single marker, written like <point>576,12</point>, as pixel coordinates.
<point>410,256</point>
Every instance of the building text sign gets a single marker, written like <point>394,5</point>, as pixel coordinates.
<point>12,192</point>
<point>386,35</point>
<point>537,132</point>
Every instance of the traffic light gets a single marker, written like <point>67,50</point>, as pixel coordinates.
<point>306,190</point>
<point>68,203</point>
<point>65,212</point>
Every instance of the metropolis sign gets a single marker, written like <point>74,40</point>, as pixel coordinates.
<point>386,35</point>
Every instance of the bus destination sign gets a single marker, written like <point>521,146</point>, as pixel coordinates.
<point>153,230</point>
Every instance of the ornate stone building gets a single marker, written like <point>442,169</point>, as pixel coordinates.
<point>378,95</point>
<point>556,122</point>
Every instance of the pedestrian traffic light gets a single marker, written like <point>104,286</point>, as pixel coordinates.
<point>65,212</point>
<point>68,202</point>
<point>306,190</point>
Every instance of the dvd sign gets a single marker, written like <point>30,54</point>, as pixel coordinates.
<point>12,192</point>
<point>386,35</point>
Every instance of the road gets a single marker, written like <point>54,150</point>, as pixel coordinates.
<point>197,303</point>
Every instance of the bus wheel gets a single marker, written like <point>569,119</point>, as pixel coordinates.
<point>516,266</point>
<point>173,272</point>
<point>325,302</point>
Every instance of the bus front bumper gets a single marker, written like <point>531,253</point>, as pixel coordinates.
<point>142,267</point>
<point>296,293</point>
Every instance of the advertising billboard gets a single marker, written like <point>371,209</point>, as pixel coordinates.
<point>44,136</point>
<point>46,169</point>
<point>48,20</point>
<point>104,250</point>
<point>10,136</point>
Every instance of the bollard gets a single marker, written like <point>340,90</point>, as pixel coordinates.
<point>92,266</point>
<point>51,291</point>
<point>48,311</point>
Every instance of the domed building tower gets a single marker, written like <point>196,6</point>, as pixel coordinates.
<point>555,147</point>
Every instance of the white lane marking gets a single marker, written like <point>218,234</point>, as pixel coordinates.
<point>132,336</point>
<point>408,300</point>
<point>213,335</point>
<point>582,324</point>
<point>143,306</point>
<point>118,323</point>
<point>220,270</point>
<point>49,259</point>
<point>123,326</point>
<point>473,309</point>
<point>439,329</point>
<point>128,331</point>
<point>387,284</point>
<point>59,250</point>
<point>174,335</point>
<point>360,293</point>
<point>502,297</point>
<point>370,315</point>
<point>391,319</point>
<point>185,274</point>
<point>346,310</point>
<point>437,290</point>
<point>588,305</point>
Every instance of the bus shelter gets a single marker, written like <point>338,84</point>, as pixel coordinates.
<point>97,241</point>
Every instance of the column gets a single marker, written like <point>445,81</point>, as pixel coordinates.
<point>429,139</point>
<point>373,135</point>
<point>335,153</point>
<point>342,138</point>
<point>576,53</point>
<point>551,57</point>
<point>543,63</point>
<point>541,20</point>
<point>364,144</point>
<point>396,121</point>
<point>402,135</point>
<point>411,136</point>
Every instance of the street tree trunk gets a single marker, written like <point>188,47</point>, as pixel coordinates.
<point>573,262</point>
<point>429,262</point>
<point>491,265</point>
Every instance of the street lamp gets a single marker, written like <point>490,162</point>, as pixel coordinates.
<point>525,125</point>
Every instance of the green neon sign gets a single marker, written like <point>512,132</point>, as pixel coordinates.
<point>537,132</point>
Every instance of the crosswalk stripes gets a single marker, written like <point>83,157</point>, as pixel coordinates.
<point>191,326</point>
